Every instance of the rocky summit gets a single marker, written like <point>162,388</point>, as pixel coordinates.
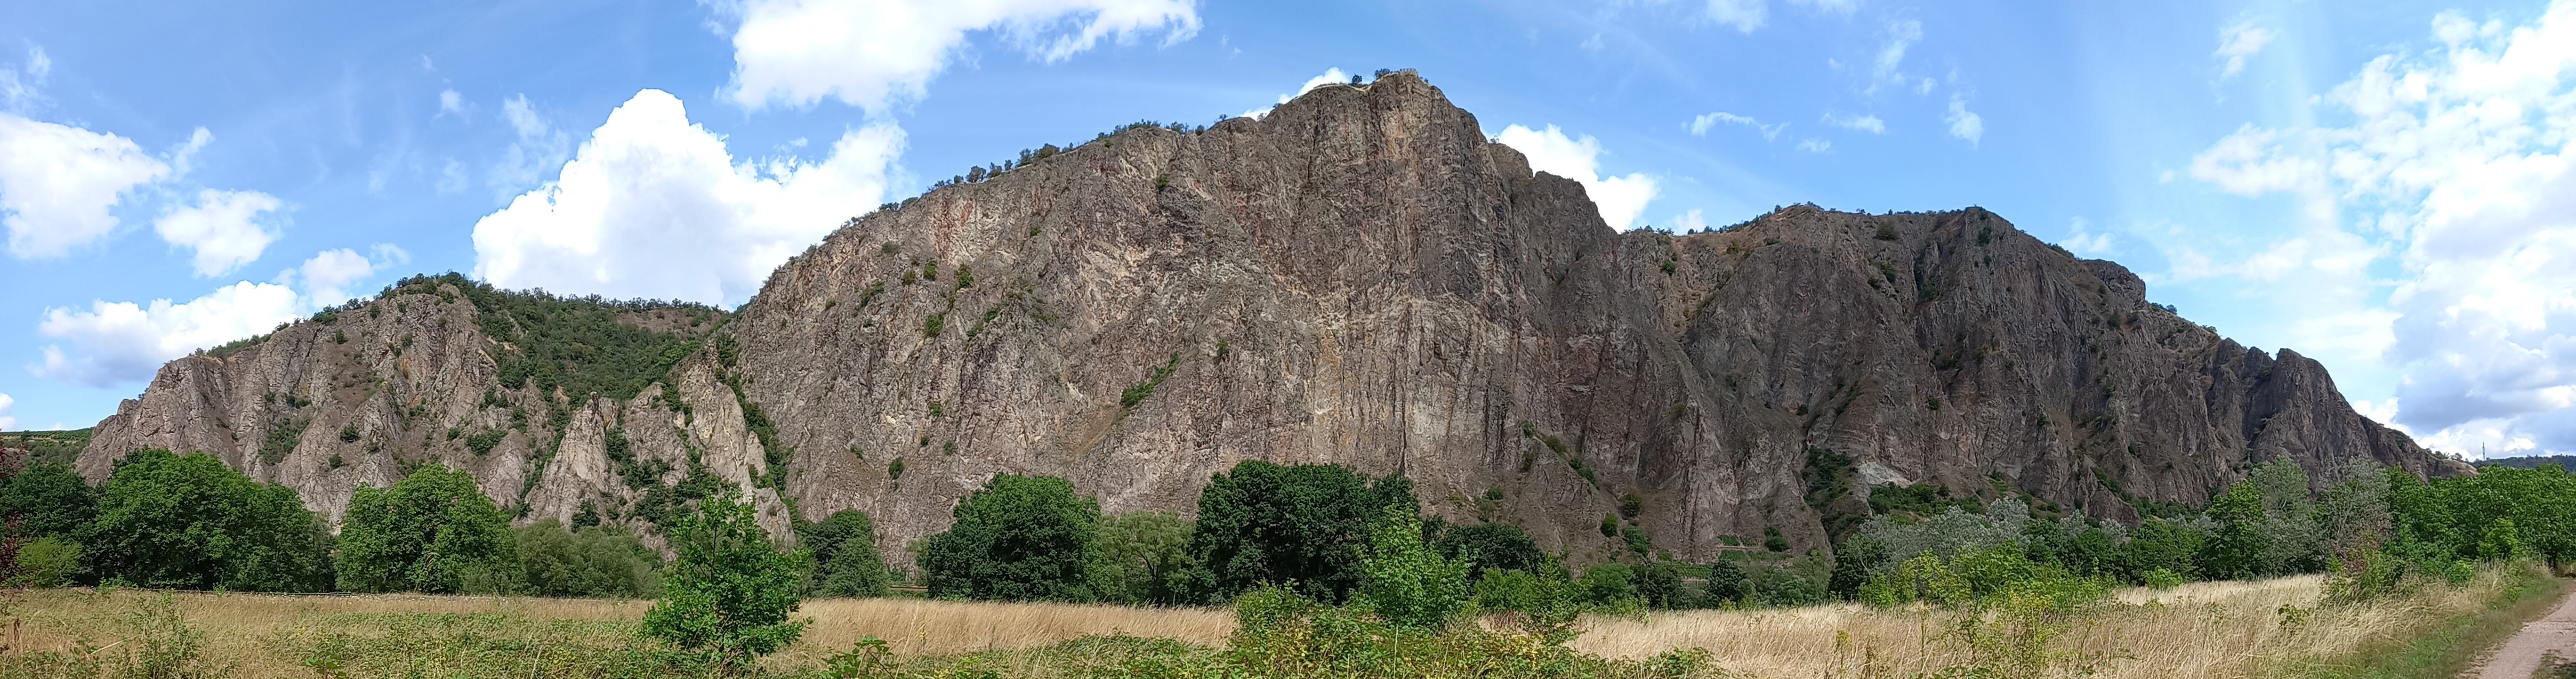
<point>1359,277</point>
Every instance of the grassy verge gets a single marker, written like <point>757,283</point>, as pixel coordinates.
<point>2444,647</point>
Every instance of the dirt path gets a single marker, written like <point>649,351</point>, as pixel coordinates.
<point>2521,655</point>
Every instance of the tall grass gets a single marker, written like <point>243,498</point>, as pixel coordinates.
<point>2220,629</point>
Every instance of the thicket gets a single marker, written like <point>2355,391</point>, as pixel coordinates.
<point>189,522</point>
<point>433,531</point>
<point>846,562</point>
<point>591,561</point>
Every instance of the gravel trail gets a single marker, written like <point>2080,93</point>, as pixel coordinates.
<point>2522,655</point>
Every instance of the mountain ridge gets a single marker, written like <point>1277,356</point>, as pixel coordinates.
<point>1358,277</point>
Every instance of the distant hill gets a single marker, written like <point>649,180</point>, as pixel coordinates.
<point>2533,461</point>
<point>45,447</point>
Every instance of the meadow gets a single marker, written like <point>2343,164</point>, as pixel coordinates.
<point>2276,627</point>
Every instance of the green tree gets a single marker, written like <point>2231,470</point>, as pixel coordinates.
<point>1660,584</point>
<point>1854,561</point>
<point>1302,527</point>
<point>1019,538</point>
<point>2158,544</point>
<point>846,561</point>
<point>189,522</point>
<point>1611,585</point>
<point>1408,584</point>
<point>434,531</point>
<point>50,500</point>
<point>595,561</point>
<point>1144,558</point>
<point>730,592</point>
<point>2237,549</point>
<point>1726,582</point>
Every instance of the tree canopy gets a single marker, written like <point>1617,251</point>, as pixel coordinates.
<point>189,522</point>
<point>434,531</point>
<point>1303,527</point>
<point>1017,538</point>
<point>846,562</point>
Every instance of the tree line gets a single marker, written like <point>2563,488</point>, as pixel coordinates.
<point>188,521</point>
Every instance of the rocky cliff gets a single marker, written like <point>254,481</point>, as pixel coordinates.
<point>1359,277</point>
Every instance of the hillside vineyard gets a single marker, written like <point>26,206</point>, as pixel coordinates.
<point>1359,277</point>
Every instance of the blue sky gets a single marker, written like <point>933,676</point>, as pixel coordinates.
<point>2381,186</point>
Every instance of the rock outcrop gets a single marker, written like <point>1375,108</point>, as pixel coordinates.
<point>1359,277</point>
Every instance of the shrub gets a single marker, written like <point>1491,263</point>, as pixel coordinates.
<point>427,533</point>
<point>190,522</point>
<point>1407,584</point>
<point>48,561</point>
<point>595,561</point>
<point>1136,393</point>
<point>1017,538</point>
<point>1610,585</point>
<point>1491,547</point>
<point>730,592</point>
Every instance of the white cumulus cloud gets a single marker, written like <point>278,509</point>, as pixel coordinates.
<point>1619,198</point>
<point>654,206</point>
<point>113,343</point>
<point>6,422</point>
<point>2456,163</point>
<point>121,342</point>
<point>326,277</point>
<point>222,228</point>
<point>1692,220</point>
<point>870,53</point>
<point>58,182</point>
<point>2238,41</point>
<point>1330,76</point>
<point>1964,124</point>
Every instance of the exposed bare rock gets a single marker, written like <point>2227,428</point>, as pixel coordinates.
<point>362,395</point>
<point>1360,277</point>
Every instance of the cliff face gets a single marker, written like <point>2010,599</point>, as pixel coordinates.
<point>1360,277</point>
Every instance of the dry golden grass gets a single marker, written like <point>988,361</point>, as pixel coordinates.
<point>923,627</point>
<point>243,628</point>
<point>2215,629</point>
<point>2227,629</point>
<point>251,630</point>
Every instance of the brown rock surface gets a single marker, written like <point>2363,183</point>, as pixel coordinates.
<point>1359,277</point>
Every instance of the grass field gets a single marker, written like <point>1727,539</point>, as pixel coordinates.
<point>2227,629</point>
